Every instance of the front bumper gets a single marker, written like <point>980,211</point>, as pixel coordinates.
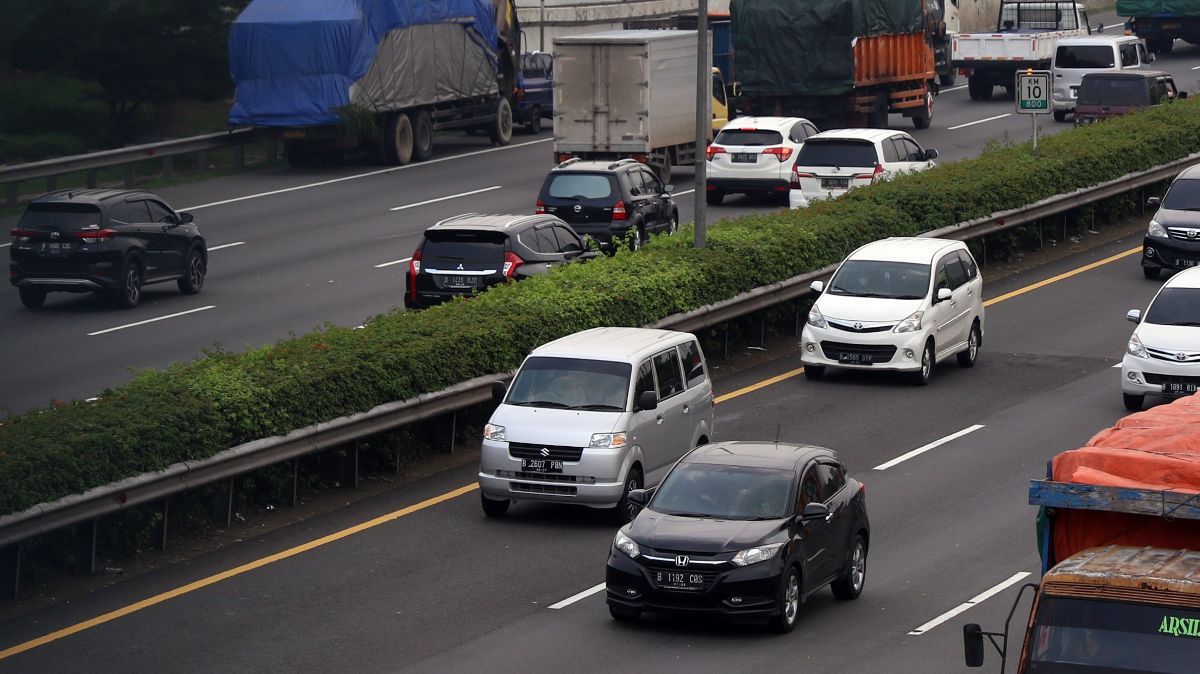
<point>1156,377</point>
<point>1170,253</point>
<point>906,358</point>
<point>593,481</point>
<point>733,591</point>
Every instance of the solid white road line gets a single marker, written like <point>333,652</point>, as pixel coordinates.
<point>979,121</point>
<point>151,320</point>
<point>1116,365</point>
<point>977,599</point>
<point>388,264</point>
<point>921,450</point>
<point>226,245</point>
<point>368,174</point>
<point>1195,67</point>
<point>452,196</point>
<point>683,193</point>
<point>5,245</point>
<point>961,86</point>
<point>576,597</point>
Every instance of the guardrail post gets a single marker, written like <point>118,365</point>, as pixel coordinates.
<point>92,178</point>
<point>10,571</point>
<point>168,166</point>
<point>202,161</point>
<point>239,157</point>
<point>166,513</point>
<point>14,194</point>
<point>51,183</point>
<point>85,547</point>
<point>229,505</point>
<point>725,342</point>
<point>1141,201</point>
<point>129,176</point>
<point>295,481</point>
<point>453,430</point>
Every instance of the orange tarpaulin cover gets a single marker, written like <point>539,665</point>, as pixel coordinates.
<point>1158,449</point>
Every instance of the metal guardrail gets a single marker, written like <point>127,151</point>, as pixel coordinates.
<point>251,456</point>
<point>50,169</point>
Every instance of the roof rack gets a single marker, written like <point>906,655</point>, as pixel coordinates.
<point>622,162</point>
<point>568,162</point>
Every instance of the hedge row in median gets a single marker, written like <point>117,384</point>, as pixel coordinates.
<point>193,410</point>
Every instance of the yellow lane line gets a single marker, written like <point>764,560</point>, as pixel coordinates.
<point>762,384</point>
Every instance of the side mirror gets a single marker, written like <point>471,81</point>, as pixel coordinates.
<point>639,497</point>
<point>499,390</point>
<point>817,286</point>
<point>647,401</point>
<point>973,644</point>
<point>815,511</point>
<point>944,294</point>
<point>1100,28</point>
<point>930,154</point>
<point>1153,201</point>
<point>185,218</point>
<point>1133,316</point>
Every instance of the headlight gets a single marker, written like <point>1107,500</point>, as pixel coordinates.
<point>494,433</point>
<point>1135,347</point>
<point>755,555</point>
<point>910,324</point>
<point>1156,230</point>
<point>815,318</point>
<point>607,440</point>
<point>625,544</point>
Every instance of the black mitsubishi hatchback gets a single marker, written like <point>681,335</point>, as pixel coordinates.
<point>746,530</point>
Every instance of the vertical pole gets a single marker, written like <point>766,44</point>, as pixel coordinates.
<point>239,157</point>
<point>272,150</point>
<point>85,560</point>
<point>166,514</point>
<point>453,429</point>
<point>542,25</point>
<point>725,355</point>
<point>229,506</point>
<point>703,119</point>
<point>295,481</point>
<point>129,176</point>
<point>1034,118</point>
<point>10,571</point>
<point>354,466</point>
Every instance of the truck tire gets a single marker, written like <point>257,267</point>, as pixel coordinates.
<point>979,88</point>
<point>501,128</point>
<point>398,140</point>
<point>534,125</point>
<point>948,78</point>
<point>299,154</point>
<point>422,125</point>
<point>665,168</point>
<point>924,116</point>
<point>1060,115</point>
<point>878,117</point>
<point>1161,45</point>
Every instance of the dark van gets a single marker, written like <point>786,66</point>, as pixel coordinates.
<point>1109,94</point>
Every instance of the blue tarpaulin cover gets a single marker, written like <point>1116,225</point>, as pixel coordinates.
<point>294,62</point>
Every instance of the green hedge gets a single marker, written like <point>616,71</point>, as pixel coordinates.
<point>193,410</point>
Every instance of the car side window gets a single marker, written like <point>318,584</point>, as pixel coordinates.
<point>910,150</point>
<point>954,269</point>
<point>1141,50</point>
<point>1128,55</point>
<point>968,264</point>
<point>138,212</point>
<point>651,183</point>
<point>810,130</point>
<point>567,240</point>
<point>810,489</point>
<point>545,241</point>
<point>670,377</point>
<point>798,133</point>
<point>890,153</point>
<point>633,179</point>
<point>645,380</point>
<point>832,480</point>
<point>693,363</point>
<point>120,213</point>
<point>159,213</point>
<point>1156,92</point>
<point>941,276</point>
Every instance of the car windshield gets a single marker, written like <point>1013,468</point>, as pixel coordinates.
<point>1084,56</point>
<point>724,492</point>
<point>454,246</point>
<point>581,186</point>
<point>67,217</point>
<point>571,383</point>
<point>1184,195</point>
<point>1175,306</point>
<point>874,278</point>
<point>749,137</point>
<point>817,152</point>
<point>1113,91</point>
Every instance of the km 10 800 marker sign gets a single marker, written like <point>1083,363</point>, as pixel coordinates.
<point>1033,92</point>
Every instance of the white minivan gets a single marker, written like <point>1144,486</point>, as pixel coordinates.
<point>1163,354</point>
<point>1077,56</point>
<point>592,416</point>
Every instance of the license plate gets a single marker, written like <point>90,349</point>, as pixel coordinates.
<point>56,248</point>
<point>835,183</point>
<point>679,580</point>
<point>461,281</point>
<point>1180,388</point>
<point>744,158</point>
<point>542,465</point>
<point>856,358</point>
<point>1170,26</point>
<point>1187,263</point>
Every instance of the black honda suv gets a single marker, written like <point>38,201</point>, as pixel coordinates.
<point>466,254</point>
<point>102,240</point>
<point>607,200</point>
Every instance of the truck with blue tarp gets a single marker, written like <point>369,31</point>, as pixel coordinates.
<point>1161,22</point>
<point>330,75</point>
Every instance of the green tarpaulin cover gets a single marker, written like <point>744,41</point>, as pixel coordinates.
<point>793,47</point>
<point>1152,7</point>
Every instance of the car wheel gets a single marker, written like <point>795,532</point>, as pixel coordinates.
<point>398,140</point>
<point>623,615</point>
<point>625,510</point>
<point>1150,272</point>
<point>1133,402</point>
<point>714,197</point>
<point>422,135</point>
<point>634,238</point>
<point>788,602</point>
<point>851,584</point>
<point>928,361</point>
<point>500,130</point>
<point>32,296</point>
<point>534,125</point>
<point>130,294</point>
<point>193,273</point>
<point>967,358</point>
<point>814,371</point>
<point>924,118</point>
<point>1060,115</point>
<point>673,223</point>
<point>494,507</point>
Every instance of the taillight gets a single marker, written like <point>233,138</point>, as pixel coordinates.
<point>95,235</point>
<point>619,212</point>
<point>877,174</point>
<point>714,150</point>
<point>22,235</point>
<point>797,175</point>
<point>781,153</point>
<point>414,268</point>
<point>511,262</point>
<point>541,207</point>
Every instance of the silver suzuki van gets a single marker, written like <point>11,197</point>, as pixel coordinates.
<point>1077,56</point>
<point>594,415</point>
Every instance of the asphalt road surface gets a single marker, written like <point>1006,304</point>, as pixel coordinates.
<point>293,249</point>
<point>417,579</point>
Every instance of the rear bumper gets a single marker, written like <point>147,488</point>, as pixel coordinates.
<point>100,272</point>
<point>748,184</point>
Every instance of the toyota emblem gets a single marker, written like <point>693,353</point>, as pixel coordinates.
<point>545,451</point>
<point>55,235</point>
<point>1193,233</point>
<point>858,326</point>
<point>681,560</point>
<point>1181,356</point>
<point>578,208</point>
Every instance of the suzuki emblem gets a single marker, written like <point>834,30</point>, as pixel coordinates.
<point>1181,356</point>
<point>578,208</point>
<point>681,560</point>
<point>545,451</point>
<point>55,235</point>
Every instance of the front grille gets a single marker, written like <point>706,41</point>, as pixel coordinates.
<point>521,450</point>
<point>1163,354</point>
<point>880,353</point>
<point>864,328</point>
<point>710,577</point>
<point>1182,233</point>
<point>555,489</point>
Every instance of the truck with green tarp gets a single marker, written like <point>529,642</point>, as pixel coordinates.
<point>1160,22</point>
<point>845,62</point>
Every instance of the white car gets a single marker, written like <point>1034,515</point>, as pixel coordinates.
<point>832,162</point>
<point>1163,354</point>
<point>754,155</point>
<point>900,304</point>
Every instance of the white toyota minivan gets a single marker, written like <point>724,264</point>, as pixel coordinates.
<point>592,416</point>
<point>1163,354</point>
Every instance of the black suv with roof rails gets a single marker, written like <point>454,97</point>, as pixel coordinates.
<point>465,255</point>
<point>103,240</point>
<point>607,200</point>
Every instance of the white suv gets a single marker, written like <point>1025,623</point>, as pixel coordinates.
<point>832,162</point>
<point>900,304</point>
<point>1163,354</point>
<point>755,155</point>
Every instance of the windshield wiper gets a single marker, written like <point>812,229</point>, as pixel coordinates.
<point>698,515</point>
<point>1189,323</point>
<point>542,403</point>
<point>598,406</point>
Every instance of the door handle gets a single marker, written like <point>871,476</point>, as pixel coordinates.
<point>685,409</point>
<point>658,419</point>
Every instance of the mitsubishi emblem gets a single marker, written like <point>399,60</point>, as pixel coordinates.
<point>545,451</point>
<point>681,560</point>
<point>1181,356</point>
<point>460,266</point>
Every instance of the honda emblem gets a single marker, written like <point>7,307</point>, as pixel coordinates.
<point>681,560</point>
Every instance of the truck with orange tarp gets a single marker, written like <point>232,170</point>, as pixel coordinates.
<point>845,62</point>
<point>1119,537</point>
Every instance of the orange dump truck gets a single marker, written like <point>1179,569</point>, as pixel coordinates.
<point>843,62</point>
<point>1119,535</point>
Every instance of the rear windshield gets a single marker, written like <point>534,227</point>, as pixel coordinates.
<point>1184,195</point>
<point>581,186</point>
<point>67,217</point>
<point>1084,56</point>
<point>1114,91</point>
<point>571,383</point>
<point>750,137</point>
<point>840,153</point>
<point>1176,306</point>
<point>462,246</point>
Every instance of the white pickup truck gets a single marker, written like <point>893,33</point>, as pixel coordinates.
<point>1025,37</point>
